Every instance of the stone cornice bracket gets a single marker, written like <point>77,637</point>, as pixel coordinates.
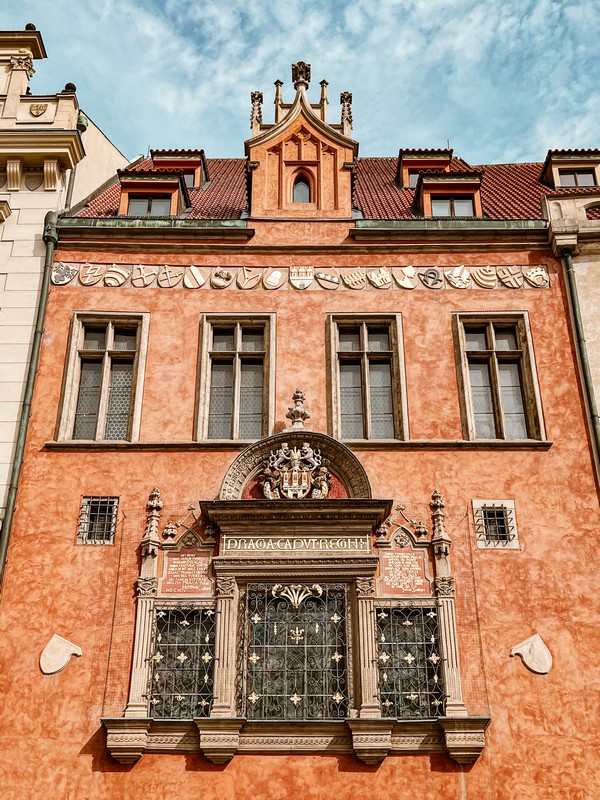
<point>441,541</point>
<point>256,112</point>
<point>219,738</point>
<point>371,738</point>
<point>126,739</point>
<point>301,75</point>
<point>346,102</point>
<point>563,234</point>
<point>14,174</point>
<point>297,413</point>
<point>465,737</point>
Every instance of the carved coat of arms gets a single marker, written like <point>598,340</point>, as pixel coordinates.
<point>295,473</point>
<point>37,109</point>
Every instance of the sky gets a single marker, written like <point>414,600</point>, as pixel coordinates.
<point>499,80</point>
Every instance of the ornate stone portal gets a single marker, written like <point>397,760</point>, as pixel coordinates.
<point>279,565</point>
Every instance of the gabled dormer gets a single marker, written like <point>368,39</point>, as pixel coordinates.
<point>191,163</point>
<point>412,162</point>
<point>300,166</point>
<point>152,193</point>
<point>439,193</point>
<point>571,169</point>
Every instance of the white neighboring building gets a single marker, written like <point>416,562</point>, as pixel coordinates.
<point>51,156</point>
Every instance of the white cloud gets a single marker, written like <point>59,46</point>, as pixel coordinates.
<point>502,80</point>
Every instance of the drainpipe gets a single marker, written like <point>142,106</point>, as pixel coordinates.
<point>582,350</point>
<point>50,237</point>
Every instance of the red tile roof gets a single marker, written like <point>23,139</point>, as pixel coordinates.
<point>508,191</point>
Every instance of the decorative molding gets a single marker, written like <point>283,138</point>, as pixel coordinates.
<point>365,587</point>
<point>51,174</point>
<point>370,739</point>
<point>358,278</point>
<point>219,738</point>
<point>464,737</point>
<point>340,459</point>
<point>57,653</point>
<point>24,62</point>
<point>226,586</point>
<point>535,654</point>
<point>14,174</point>
<point>5,210</point>
<point>444,587</point>
<point>146,587</point>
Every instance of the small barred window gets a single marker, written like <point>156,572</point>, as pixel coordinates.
<point>97,520</point>
<point>495,524</point>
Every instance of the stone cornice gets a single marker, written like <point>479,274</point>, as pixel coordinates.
<point>34,145</point>
<point>14,41</point>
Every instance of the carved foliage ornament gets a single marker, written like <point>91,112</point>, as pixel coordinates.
<point>295,473</point>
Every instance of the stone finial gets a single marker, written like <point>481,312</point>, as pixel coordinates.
<point>256,111</point>
<point>297,413</point>
<point>346,101</point>
<point>154,502</point>
<point>301,75</point>
<point>324,84</point>
<point>440,540</point>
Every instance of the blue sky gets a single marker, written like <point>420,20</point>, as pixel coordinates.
<point>502,81</point>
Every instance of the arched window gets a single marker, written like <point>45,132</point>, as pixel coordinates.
<point>301,190</point>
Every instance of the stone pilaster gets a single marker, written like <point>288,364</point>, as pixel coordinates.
<point>137,704</point>
<point>225,649</point>
<point>369,677</point>
<point>444,589</point>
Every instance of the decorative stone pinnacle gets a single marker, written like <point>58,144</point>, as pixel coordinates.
<point>297,413</point>
<point>301,75</point>
<point>346,101</point>
<point>256,112</point>
<point>154,503</point>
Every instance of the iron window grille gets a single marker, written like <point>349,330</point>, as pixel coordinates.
<point>368,379</point>
<point>495,524</point>
<point>410,684</point>
<point>97,520</point>
<point>182,663</point>
<point>295,652</point>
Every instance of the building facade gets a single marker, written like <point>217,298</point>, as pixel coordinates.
<point>317,485</point>
<point>51,154</point>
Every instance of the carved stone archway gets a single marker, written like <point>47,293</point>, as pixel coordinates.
<point>340,460</point>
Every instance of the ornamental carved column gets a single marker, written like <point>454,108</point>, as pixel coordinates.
<point>224,704</point>
<point>137,705</point>
<point>220,733</point>
<point>444,590</point>
<point>369,674</point>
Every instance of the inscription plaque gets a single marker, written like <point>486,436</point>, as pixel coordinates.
<point>403,573</point>
<point>186,573</point>
<point>293,545</point>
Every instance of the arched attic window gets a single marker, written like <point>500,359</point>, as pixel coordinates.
<point>301,192</point>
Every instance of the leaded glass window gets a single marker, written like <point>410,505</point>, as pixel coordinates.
<point>107,358</point>
<point>295,652</point>
<point>368,380</point>
<point>237,381</point>
<point>409,662</point>
<point>182,663</point>
<point>495,356</point>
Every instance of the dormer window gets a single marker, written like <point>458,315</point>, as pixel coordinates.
<point>149,206</point>
<point>301,190</point>
<point>577,177</point>
<point>452,207</point>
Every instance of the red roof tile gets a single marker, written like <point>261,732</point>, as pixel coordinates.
<point>508,191</point>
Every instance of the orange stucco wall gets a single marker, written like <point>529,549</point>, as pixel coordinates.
<point>541,740</point>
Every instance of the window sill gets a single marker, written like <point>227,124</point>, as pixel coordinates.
<point>353,444</point>
<point>219,739</point>
<point>447,444</point>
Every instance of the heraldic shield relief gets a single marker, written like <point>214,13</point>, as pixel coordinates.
<point>295,473</point>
